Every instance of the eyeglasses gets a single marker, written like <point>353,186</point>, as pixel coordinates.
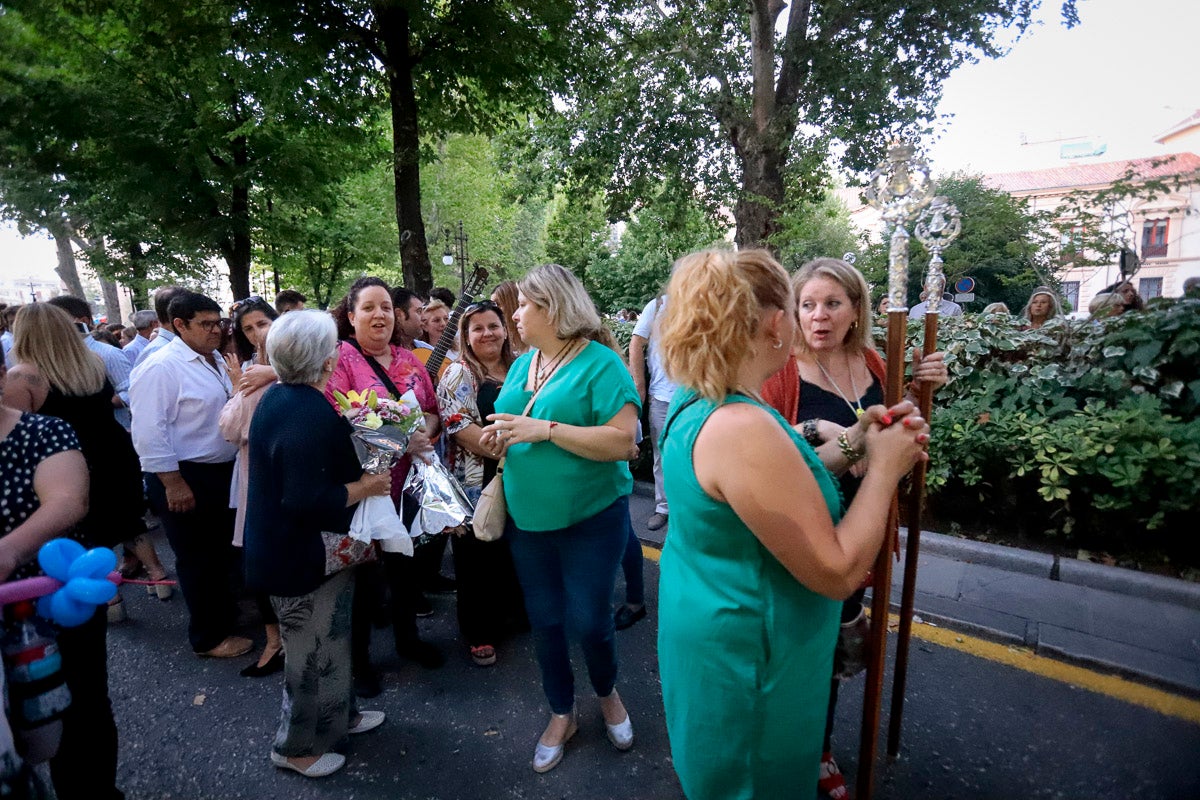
<point>251,300</point>
<point>208,325</point>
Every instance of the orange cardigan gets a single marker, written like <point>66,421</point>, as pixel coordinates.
<point>782,390</point>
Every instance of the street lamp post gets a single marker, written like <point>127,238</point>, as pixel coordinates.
<point>459,239</point>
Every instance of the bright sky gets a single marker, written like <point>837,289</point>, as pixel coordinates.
<point>1125,75</point>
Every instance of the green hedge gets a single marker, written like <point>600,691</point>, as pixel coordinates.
<point>1082,429</point>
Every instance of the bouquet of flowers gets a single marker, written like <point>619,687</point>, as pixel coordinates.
<point>382,429</point>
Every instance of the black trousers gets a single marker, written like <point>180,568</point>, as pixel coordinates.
<point>400,575</point>
<point>86,764</point>
<point>489,596</point>
<point>204,554</point>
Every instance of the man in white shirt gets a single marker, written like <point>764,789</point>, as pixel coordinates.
<point>661,390</point>
<point>116,365</point>
<point>177,398</point>
<point>163,296</point>
<point>144,322</point>
<point>947,308</point>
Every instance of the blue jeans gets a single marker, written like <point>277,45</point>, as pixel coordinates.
<point>568,578</point>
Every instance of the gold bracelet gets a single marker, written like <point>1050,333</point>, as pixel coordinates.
<point>848,450</point>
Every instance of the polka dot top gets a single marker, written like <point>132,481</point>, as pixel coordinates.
<point>33,439</point>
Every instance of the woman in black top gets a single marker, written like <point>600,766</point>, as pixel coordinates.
<point>306,480</point>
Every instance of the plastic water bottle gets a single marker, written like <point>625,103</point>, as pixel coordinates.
<point>37,689</point>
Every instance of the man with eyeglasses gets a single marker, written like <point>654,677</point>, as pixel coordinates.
<point>177,398</point>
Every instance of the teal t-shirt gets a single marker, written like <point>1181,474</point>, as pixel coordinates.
<point>546,487</point>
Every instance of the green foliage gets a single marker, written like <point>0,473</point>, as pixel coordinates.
<point>1000,247</point>
<point>669,226</point>
<point>809,230</point>
<point>1084,428</point>
<point>577,234</point>
<point>468,183</point>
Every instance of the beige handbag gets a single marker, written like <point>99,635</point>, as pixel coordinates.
<point>491,510</point>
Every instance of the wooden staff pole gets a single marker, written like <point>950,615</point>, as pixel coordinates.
<point>911,551</point>
<point>881,588</point>
<point>899,188</point>
<point>940,226</point>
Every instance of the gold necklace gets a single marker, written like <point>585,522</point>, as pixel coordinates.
<point>540,376</point>
<point>856,406</point>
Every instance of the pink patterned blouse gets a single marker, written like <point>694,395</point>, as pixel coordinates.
<point>353,373</point>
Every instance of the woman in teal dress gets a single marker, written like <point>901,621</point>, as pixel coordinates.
<point>760,552</point>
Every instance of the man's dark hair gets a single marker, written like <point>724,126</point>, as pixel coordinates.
<point>163,296</point>
<point>288,299</point>
<point>186,305</point>
<point>402,298</point>
<point>75,306</point>
<point>443,294</point>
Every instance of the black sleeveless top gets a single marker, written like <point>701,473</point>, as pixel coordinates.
<point>115,496</point>
<point>817,403</point>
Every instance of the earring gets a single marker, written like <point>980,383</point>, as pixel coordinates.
<point>777,344</point>
<point>854,325</point>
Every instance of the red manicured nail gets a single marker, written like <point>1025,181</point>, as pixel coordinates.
<point>886,419</point>
<point>923,438</point>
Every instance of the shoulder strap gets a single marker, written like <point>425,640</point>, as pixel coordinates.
<point>529,405</point>
<point>380,372</point>
<point>678,411</point>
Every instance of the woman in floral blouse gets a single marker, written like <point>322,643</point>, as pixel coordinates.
<point>488,592</point>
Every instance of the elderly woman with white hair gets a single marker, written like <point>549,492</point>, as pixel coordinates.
<point>306,480</point>
<point>566,419</point>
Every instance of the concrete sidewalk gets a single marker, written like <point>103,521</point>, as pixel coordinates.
<point>1142,626</point>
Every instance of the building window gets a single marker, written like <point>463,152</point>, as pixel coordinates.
<point>1150,288</point>
<point>1070,244</point>
<point>1154,238</point>
<point>1070,293</point>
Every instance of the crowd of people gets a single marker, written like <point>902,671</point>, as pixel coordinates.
<point>775,462</point>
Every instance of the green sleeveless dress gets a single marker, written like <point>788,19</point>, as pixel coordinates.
<point>745,651</point>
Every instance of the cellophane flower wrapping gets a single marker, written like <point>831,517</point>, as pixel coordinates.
<point>382,429</point>
<point>443,503</point>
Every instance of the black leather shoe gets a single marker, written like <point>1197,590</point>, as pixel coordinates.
<point>626,616</point>
<point>366,684</point>
<point>274,664</point>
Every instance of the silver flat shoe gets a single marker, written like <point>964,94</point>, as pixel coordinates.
<point>621,734</point>
<point>368,721</point>
<point>546,757</point>
<point>327,764</point>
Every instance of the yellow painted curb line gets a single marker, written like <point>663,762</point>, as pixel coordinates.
<point>1024,659</point>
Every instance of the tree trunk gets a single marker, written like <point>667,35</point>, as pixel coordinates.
<point>236,247</point>
<point>414,249</point>
<point>112,299</point>
<point>67,271</point>
<point>761,200</point>
<point>137,269</point>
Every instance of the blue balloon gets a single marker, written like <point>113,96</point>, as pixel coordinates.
<point>84,574</point>
<point>92,591</point>
<point>57,555</point>
<point>95,563</point>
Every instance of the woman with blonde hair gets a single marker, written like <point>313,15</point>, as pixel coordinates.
<point>760,550</point>
<point>505,296</point>
<point>565,421</point>
<point>833,374</point>
<point>57,376</point>
<point>1042,307</point>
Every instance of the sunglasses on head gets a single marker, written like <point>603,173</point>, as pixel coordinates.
<point>482,305</point>
<point>251,300</point>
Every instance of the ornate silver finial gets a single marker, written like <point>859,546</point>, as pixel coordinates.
<point>849,258</point>
<point>899,188</point>
<point>939,225</point>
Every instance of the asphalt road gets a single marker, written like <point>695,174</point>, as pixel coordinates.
<point>192,728</point>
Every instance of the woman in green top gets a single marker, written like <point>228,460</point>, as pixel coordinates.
<point>567,484</point>
<point>760,552</point>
